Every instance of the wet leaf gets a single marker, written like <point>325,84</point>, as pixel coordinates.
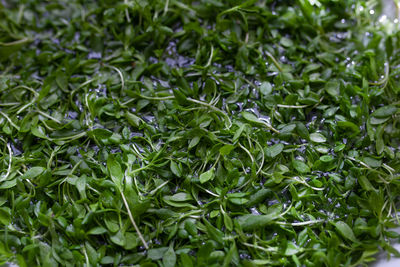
<point>206,176</point>
<point>317,138</point>
<point>198,133</point>
<point>266,88</point>
<point>250,117</point>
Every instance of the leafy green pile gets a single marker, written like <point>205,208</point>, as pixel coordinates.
<point>197,133</point>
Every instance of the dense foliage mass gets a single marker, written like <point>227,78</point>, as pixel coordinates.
<point>197,133</point>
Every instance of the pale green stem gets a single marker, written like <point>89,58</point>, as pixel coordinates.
<point>133,221</point>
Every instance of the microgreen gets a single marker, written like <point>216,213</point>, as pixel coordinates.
<point>198,133</point>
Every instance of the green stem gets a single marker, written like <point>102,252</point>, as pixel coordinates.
<point>277,65</point>
<point>133,221</point>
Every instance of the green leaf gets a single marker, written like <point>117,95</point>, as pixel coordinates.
<point>286,42</point>
<point>237,201</point>
<point>226,149</point>
<point>62,81</point>
<point>365,183</point>
<point>232,257</point>
<point>326,158</point>
<point>250,222</point>
<point>180,97</point>
<point>210,86</point>
<point>169,258</point>
<point>115,171</point>
<point>300,166</point>
<point>258,197</point>
<point>191,227</point>
<point>377,121</point>
<point>206,176</point>
<point>332,88</point>
<point>186,260</point>
<point>291,249</point>
<point>132,119</point>
<point>265,88</point>
<point>385,111</point>
<point>302,130</point>
<point>33,172</point>
<point>175,168</point>
<point>97,231</point>
<point>374,163</point>
<point>194,141</point>
<point>118,238</point>
<point>204,252</point>
<point>5,216</point>
<point>214,233</point>
<point>317,138</point>
<point>38,131</point>
<point>339,147</point>
<point>181,197</point>
<point>156,253</point>
<point>345,230</point>
<point>228,222</point>
<point>349,126</point>
<point>380,145</point>
<point>100,133</point>
<point>274,150</point>
<point>127,121</point>
<point>93,255</point>
<point>250,117</point>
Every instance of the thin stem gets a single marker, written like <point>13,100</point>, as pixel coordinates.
<point>27,88</point>
<point>248,152</point>
<point>9,120</point>
<point>166,7</point>
<point>152,192</point>
<point>210,58</point>
<point>291,106</point>
<point>127,12</point>
<point>133,221</point>
<point>385,79</point>
<point>9,164</point>
<point>25,106</point>
<point>69,138</point>
<point>301,223</point>
<point>119,73</point>
<point>157,98</point>
<point>211,107</point>
<point>24,40</point>
<point>86,256</point>
<point>9,104</point>
<point>190,100</point>
<point>48,116</point>
<point>263,121</point>
<point>263,158</point>
<point>277,65</point>
<point>273,249</point>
